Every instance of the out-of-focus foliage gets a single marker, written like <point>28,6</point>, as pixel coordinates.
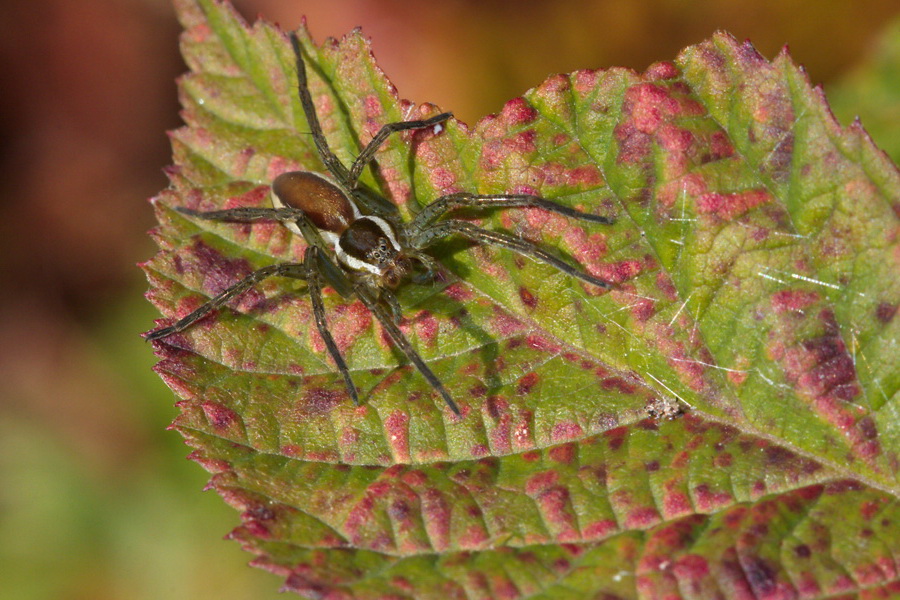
<point>872,93</point>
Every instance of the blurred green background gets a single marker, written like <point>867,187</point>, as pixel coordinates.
<point>96,498</point>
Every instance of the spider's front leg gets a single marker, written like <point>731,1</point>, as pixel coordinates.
<point>368,153</point>
<point>347,178</point>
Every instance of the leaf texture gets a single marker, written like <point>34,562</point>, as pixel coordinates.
<point>755,256</point>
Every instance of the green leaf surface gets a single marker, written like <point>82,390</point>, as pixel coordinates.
<point>755,256</point>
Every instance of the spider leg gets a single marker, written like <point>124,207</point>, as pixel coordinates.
<point>310,259</point>
<point>368,153</point>
<point>289,216</point>
<point>245,214</point>
<point>444,204</point>
<point>391,300</point>
<point>426,261</point>
<point>439,231</point>
<point>331,162</point>
<point>403,344</point>
<point>295,270</point>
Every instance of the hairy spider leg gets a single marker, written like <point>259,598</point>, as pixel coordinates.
<point>285,214</point>
<point>245,214</point>
<point>432,212</point>
<point>434,233</point>
<point>368,153</point>
<point>403,344</point>
<point>331,162</point>
<point>311,260</point>
<point>347,178</point>
<point>389,298</point>
<point>294,270</point>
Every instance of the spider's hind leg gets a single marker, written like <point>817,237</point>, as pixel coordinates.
<point>432,212</point>
<point>434,233</point>
<point>400,340</point>
<point>245,214</point>
<point>311,260</point>
<point>295,270</point>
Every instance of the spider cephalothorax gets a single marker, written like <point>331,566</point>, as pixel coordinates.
<point>365,244</point>
<point>363,253</point>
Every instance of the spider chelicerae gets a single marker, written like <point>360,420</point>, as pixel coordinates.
<point>361,250</point>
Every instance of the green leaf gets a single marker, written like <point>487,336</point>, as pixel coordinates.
<point>755,256</point>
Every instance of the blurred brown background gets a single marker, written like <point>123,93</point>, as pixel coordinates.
<point>95,499</point>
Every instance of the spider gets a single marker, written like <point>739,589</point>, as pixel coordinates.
<point>359,249</point>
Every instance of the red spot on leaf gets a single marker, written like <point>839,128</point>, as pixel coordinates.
<point>648,105</point>
<point>219,416</point>
<point>349,437</point>
<point>642,518</point>
<point>720,146</point>
<point>634,145</point>
<point>564,454</point>
<point>586,175</point>
<point>621,271</point>
<point>616,437</point>
<point>793,300</point>
<point>531,456</point>
<point>518,112</point>
<point>617,383</point>
<point>566,430</point>
<point>723,460</point>
<point>292,450</point>
<point>885,312</point>
<point>707,500</point>
<point>675,504</point>
<point>521,143</point>
<point>479,450</point>
<point>600,529</point>
<point>526,383</point>
<point>436,512</point>
<point>542,344</point>
<point>427,327</point>
<point>442,178</point>
<point>540,482</point>
<point>557,510</point>
<point>692,567</point>
<point>397,432</point>
<point>527,298</point>
<point>675,139</point>
<point>643,308</point>
<point>459,292</point>
<point>346,322</point>
<point>318,401</point>
<point>729,206</point>
<point>662,70</point>
<point>373,106</point>
<point>474,536</point>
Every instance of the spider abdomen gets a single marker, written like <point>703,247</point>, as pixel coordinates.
<point>324,203</point>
